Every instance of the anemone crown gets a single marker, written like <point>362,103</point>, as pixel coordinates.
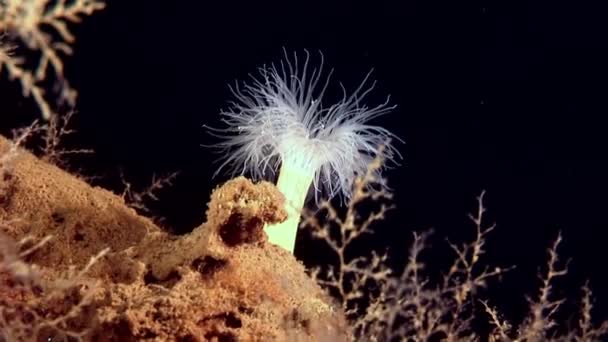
<point>279,117</point>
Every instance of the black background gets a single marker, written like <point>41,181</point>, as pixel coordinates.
<point>506,96</point>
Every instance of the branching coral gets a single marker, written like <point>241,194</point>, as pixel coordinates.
<point>280,118</point>
<point>41,26</point>
<point>53,134</point>
<point>138,199</point>
<point>387,304</point>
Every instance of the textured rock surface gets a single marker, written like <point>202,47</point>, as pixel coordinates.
<point>221,282</point>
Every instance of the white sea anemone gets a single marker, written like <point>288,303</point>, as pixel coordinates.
<point>279,119</point>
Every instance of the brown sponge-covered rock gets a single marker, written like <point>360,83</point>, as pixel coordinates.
<point>222,282</point>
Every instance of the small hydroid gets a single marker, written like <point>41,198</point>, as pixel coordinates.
<point>278,122</point>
